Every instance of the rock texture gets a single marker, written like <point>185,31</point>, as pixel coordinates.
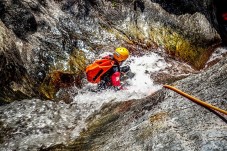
<point>162,121</point>
<point>15,82</point>
<point>55,36</point>
<point>46,44</point>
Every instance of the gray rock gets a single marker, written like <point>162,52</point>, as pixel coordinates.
<point>47,33</point>
<point>163,121</point>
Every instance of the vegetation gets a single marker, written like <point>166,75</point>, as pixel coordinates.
<point>179,47</point>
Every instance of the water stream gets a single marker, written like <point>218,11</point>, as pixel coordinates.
<point>34,124</point>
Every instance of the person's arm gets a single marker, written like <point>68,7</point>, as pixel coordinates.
<point>115,79</point>
<point>116,82</point>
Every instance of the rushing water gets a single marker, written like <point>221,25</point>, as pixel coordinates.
<point>33,124</point>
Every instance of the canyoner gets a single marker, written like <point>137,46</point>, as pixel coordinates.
<point>99,67</point>
<point>107,73</point>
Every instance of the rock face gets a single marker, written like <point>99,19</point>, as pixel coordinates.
<point>15,82</point>
<point>51,36</point>
<point>46,44</point>
<point>162,121</point>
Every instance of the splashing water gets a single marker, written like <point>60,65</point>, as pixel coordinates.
<point>35,123</point>
<point>141,85</point>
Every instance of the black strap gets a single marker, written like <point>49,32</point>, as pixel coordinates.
<point>98,74</point>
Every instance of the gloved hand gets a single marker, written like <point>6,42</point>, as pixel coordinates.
<point>125,69</point>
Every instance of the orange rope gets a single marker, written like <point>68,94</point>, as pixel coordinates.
<point>195,99</point>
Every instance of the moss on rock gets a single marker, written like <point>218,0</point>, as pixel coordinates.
<point>180,47</point>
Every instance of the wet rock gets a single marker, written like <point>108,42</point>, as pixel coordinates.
<point>18,18</point>
<point>15,82</point>
<point>162,121</point>
<point>48,32</point>
<point>57,80</point>
<point>38,38</point>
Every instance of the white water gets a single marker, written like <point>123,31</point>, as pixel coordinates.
<point>141,85</point>
<point>39,123</point>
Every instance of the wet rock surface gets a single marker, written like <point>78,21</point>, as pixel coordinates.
<point>46,44</point>
<point>163,121</point>
<point>48,32</point>
<point>15,82</point>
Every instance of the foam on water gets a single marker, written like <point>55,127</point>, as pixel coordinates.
<point>141,85</point>
<point>37,123</point>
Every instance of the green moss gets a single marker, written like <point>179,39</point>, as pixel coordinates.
<point>77,62</point>
<point>114,3</point>
<point>59,79</point>
<point>175,44</point>
<point>179,47</point>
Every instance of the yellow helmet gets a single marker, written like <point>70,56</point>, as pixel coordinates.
<point>121,54</point>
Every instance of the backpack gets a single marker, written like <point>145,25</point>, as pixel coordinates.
<point>95,70</point>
